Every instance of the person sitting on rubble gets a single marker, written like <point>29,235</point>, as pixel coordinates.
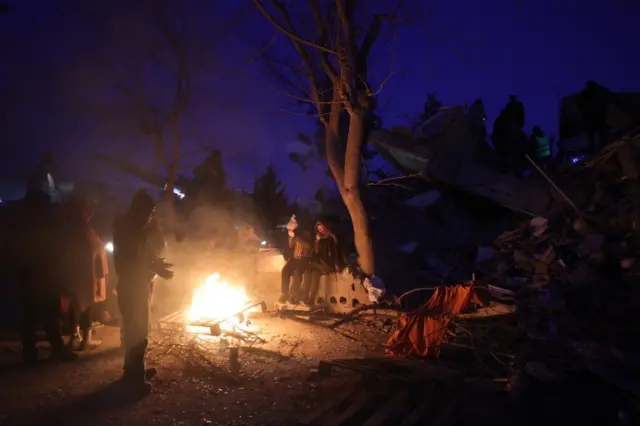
<point>329,257</point>
<point>593,103</point>
<point>298,255</point>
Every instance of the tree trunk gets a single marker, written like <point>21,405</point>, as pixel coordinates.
<point>351,195</point>
<point>348,179</point>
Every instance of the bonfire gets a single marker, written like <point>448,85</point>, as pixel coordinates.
<point>218,306</point>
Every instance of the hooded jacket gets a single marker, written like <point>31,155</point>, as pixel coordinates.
<point>134,254</point>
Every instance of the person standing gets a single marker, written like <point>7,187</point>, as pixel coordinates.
<point>514,112</point>
<point>593,102</point>
<point>87,270</point>
<point>39,278</point>
<point>137,266</point>
<point>540,147</point>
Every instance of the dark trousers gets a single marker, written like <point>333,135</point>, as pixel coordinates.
<point>315,270</point>
<point>134,301</point>
<point>294,268</point>
<point>40,310</point>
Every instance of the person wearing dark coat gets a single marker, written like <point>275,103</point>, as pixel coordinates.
<point>86,273</point>
<point>39,277</point>
<point>593,102</point>
<point>499,137</point>
<point>137,265</point>
<point>514,111</point>
<point>329,257</point>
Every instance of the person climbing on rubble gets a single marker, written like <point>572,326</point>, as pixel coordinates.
<point>540,147</point>
<point>593,102</point>
<point>297,255</point>
<point>86,272</point>
<point>329,257</point>
<point>137,266</point>
<point>39,276</point>
<point>514,112</point>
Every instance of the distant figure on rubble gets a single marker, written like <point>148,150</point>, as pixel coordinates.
<point>540,147</point>
<point>329,257</point>
<point>593,103</point>
<point>297,255</point>
<point>86,272</point>
<point>499,137</point>
<point>38,177</point>
<point>137,266</point>
<point>514,112</point>
<point>477,118</point>
<point>39,278</point>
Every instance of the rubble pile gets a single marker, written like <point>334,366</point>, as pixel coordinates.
<point>575,273</point>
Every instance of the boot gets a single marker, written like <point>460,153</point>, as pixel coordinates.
<point>88,342</point>
<point>75,340</point>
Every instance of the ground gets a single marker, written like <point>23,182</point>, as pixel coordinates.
<point>274,387</point>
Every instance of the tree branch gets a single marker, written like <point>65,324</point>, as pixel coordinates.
<point>287,32</point>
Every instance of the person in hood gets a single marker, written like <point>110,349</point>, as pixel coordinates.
<point>39,281</point>
<point>329,257</point>
<point>137,265</point>
<point>87,270</point>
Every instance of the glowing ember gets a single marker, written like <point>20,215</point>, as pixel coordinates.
<point>216,300</point>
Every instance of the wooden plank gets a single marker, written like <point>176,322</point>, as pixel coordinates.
<point>383,415</point>
<point>326,407</point>
<point>363,368</point>
<point>447,411</point>
<point>358,403</point>
<point>416,416</point>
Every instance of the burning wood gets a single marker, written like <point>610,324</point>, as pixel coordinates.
<point>217,308</point>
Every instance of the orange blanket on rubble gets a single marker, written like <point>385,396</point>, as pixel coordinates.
<point>421,332</point>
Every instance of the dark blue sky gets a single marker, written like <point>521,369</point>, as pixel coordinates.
<point>539,50</point>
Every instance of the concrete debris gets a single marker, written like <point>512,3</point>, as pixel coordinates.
<point>425,199</point>
<point>409,247</point>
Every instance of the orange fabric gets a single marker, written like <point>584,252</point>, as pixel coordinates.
<point>422,332</point>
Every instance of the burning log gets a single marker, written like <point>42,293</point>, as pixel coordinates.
<point>216,329</point>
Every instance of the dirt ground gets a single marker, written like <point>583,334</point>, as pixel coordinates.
<point>274,386</point>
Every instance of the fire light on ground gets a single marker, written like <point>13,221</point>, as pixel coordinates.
<point>216,300</point>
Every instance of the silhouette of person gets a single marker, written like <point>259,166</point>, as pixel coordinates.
<point>515,111</point>
<point>593,103</point>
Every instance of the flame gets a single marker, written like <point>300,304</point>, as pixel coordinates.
<point>216,300</point>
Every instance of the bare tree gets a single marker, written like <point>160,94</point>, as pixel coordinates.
<point>155,51</point>
<point>334,48</point>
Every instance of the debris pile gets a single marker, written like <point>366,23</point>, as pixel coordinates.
<point>575,274</point>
